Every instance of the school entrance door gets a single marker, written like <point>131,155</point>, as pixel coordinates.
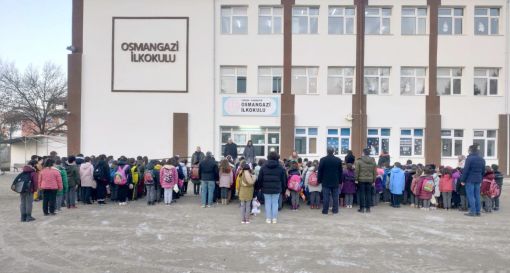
<point>265,139</point>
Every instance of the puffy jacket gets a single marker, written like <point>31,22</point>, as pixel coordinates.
<point>65,183</point>
<point>272,178</point>
<point>397,181</point>
<point>87,175</point>
<point>349,183</point>
<point>474,169</point>
<point>208,170</point>
<point>366,169</point>
<point>420,193</point>
<point>50,179</point>
<point>73,175</point>
<point>446,183</point>
<point>245,190</point>
<point>485,188</point>
<point>174,176</point>
<point>317,188</point>
<point>226,180</point>
<point>33,177</point>
<point>330,171</point>
<point>197,157</point>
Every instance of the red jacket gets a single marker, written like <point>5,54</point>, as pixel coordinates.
<point>446,183</point>
<point>50,179</point>
<point>420,193</point>
<point>485,188</point>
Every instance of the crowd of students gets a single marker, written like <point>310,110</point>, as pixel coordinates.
<point>296,182</point>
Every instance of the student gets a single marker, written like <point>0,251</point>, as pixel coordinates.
<point>294,175</point>
<point>65,185</point>
<point>414,184</point>
<point>349,185</point>
<point>446,186</point>
<point>168,178</point>
<point>378,187</point>
<point>460,188</point>
<point>314,188</point>
<point>185,169</point>
<point>226,179</point>
<point>425,187</point>
<point>27,197</point>
<point>73,180</point>
<point>150,183</point>
<point>245,189</point>
<point>102,178</point>
<point>50,182</point>
<point>157,184</point>
<point>397,184</point>
<point>498,177</point>
<point>485,189</point>
<point>87,181</point>
<point>113,187</point>
<point>122,178</point>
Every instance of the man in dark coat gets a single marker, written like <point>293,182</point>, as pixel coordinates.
<point>330,176</point>
<point>230,149</point>
<point>208,173</point>
<point>472,177</point>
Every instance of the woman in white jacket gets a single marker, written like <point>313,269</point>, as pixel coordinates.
<point>315,191</point>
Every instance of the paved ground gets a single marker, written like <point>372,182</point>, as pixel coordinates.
<point>187,238</point>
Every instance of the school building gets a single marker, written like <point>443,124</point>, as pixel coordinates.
<point>422,79</point>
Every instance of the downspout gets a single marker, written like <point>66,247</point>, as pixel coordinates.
<point>507,81</point>
<point>215,144</point>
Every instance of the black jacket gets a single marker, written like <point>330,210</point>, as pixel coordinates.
<point>208,170</point>
<point>102,172</point>
<point>330,171</point>
<point>231,150</point>
<point>272,178</point>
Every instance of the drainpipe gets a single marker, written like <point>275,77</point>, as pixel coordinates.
<point>507,81</point>
<point>215,139</point>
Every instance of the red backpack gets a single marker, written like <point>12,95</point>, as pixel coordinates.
<point>313,180</point>
<point>494,189</point>
<point>294,182</point>
<point>148,178</point>
<point>194,172</point>
<point>428,185</point>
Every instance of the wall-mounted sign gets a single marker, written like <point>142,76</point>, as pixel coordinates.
<point>251,106</point>
<point>150,54</point>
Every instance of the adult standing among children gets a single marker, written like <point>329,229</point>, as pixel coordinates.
<point>271,181</point>
<point>197,157</point>
<point>50,181</point>
<point>329,175</point>
<point>208,175</point>
<point>249,153</point>
<point>230,149</point>
<point>87,180</point>
<point>366,173</point>
<point>472,176</point>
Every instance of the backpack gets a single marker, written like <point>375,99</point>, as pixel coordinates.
<point>313,180</point>
<point>99,174</point>
<point>167,176</point>
<point>194,172</point>
<point>134,174</point>
<point>294,182</point>
<point>428,185</point>
<point>248,179</point>
<point>22,183</point>
<point>148,178</point>
<point>119,178</point>
<point>494,189</point>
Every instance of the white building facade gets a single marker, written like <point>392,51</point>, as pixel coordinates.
<point>159,77</point>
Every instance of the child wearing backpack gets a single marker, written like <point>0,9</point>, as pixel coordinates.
<point>314,188</point>
<point>226,180</point>
<point>245,189</point>
<point>168,178</point>
<point>61,193</point>
<point>425,187</point>
<point>487,190</point>
<point>498,177</point>
<point>414,185</point>
<point>28,185</point>
<point>461,190</point>
<point>349,185</point>
<point>150,184</point>
<point>446,186</point>
<point>122,179</point>
<point>294,185</point>
<point>378,186</point>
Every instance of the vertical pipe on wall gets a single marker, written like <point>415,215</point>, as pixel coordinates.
<point>507,82</point>
<point>215,88</point>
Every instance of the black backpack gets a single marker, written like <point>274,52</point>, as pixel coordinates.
<point>22,182</point>
<point>99,174</point>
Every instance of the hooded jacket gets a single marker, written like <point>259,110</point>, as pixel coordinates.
<point>485,188</point>
<point>397,181</point>
<point>272,178</point>
<point>50,179</point>
<point>420,193</point>
<point>65,183</point>
<point>366,169</point>
<point>317,188</point>
<point>174,177</point>
<point>73,175</point>
<point>208,170</point>
<point>349,185</point>
<point>87,175</point>
<point>33,177</point>
<point>446,183</point>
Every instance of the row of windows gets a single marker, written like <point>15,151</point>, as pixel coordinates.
<point>378,140</point>
<point>413,80</point>
<point>341,20</point>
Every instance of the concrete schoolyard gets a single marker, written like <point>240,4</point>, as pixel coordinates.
<point>186,238</point>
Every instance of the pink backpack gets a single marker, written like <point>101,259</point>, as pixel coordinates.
<point>119,178</point>
<point>494,189</point>
<point>294,182</point>
<point>313,180</point>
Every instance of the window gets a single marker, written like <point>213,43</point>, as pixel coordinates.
<point>449,81</point>
<point>450,21</point>
<point>340,80</point>
<point>377,20</point>
<point>270,20</point>
<point>414,21</point>
<point>486,81</point>
<point>341,20</point>
<point>305,140</point>
<point>339,139</point>
<point>270,80</point>
<point>305,20</point>
<point>411,142</point>
<point>234,20</point>
<point>486,21</point>
<point>304,80</point>
<point>451,142</point>
<point>377,80</point>
<point>486,140</point>
<point>378,140</point>
<point>233,79</point>
<point>412,81</point>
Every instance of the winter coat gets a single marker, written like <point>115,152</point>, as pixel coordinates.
<point>365,170</point>
<point>174,179</point>
<point>34,185</point>
<point>230,150</point>
<point>378,185</point>
<point>485,188</point>
<point>330,171</point>
<point>446,183</point>
<point>50,179</point>
<point>73,175</point>
<point>349,182</point>
<point>87,175</point>
<point>498,176</point>
<point>244,189</point>
<point>397,181</point>
<point>414,184</point>
<point>104,172</point>
<point>420,193</point>
<point>155,174</point>
<point>249,154</point>
<point>437,193</point>
<point>65,183</point>
<point>474,169</point>
<point>317,188</point>
<point>208,170</point>
<point>272,178</point>
<point>226,180</point>
<point>197,157</point>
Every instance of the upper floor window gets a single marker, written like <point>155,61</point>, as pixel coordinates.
<point>377,80</point>
<point>449,81</point>
<point>486,21</point>
<point>450,21</point>
<point>340,80</point>
<point>234,20</point>
<point>270,80</point>
<point>305,20</point>
<point>233,79</point>
<point>270,20</point>
<point>377,20</point>
<point>486,81</point>
<point>341,20</point>
<point>412,81</point>
<point>414,21</point>
<point>304,80</point>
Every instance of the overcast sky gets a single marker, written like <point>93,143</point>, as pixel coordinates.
<point>35,31</point>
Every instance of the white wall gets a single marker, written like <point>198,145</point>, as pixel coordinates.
<point>20,154</point>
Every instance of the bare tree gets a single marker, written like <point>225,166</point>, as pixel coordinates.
<point>34,98</point>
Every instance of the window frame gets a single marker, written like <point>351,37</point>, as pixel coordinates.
<point>415,78</point>
<point>344,77</point>
<point>453,139</point>
<point>486,139</point>
<point>237,76</point>
<point>343,17</point>
<point>417,17</point>
<point>381,17</point>
<point>274,17</point>
<point>453,18</point>
<point>452,78</point>
<point>308,136</point>
<point>309,78</point>
<point>340,137</point>
<point>231,17</point>
<point>488,77</point>
<point>380,138</point>
<point>309,19</point>
<point>414,137</point>
<point>489,20</point>
<point>380,79</point>
<point>272,75</point>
